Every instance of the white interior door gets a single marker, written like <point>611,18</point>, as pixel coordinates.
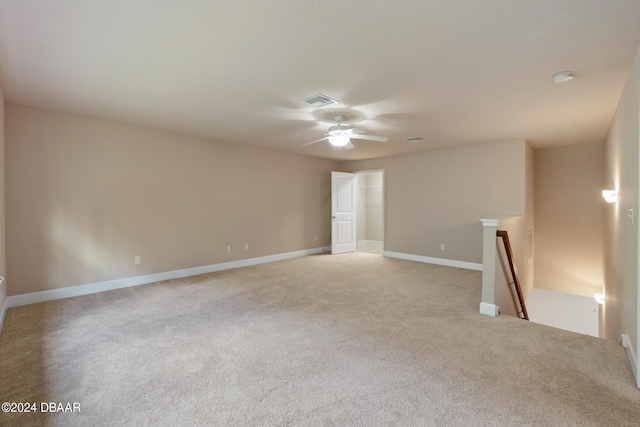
<point>344,199</point>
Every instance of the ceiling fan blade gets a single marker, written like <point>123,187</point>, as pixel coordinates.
<point>370,137</point>
<point>349,146</point>
<point>313,142</point>
<point>353,130</point>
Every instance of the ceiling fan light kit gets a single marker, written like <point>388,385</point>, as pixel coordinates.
<point>339,140</point>
<point>340,136</point>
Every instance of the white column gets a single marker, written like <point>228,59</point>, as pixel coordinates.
<point>487,306</point>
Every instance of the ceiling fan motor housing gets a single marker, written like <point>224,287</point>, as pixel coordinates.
<point>337,129</point>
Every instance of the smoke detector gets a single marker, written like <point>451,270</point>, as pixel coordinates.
<point>563,77</point>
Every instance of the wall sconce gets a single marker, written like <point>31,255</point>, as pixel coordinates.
<point>611,196</point>
<point>599,298</point>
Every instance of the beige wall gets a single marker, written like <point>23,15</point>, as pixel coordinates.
<point>85,196</point>
<point>620,311</point>
<point>440,196</point>
<point>521,237</point>
<point>3,258</point>
<point>526,248</point>
<point>568,219</point>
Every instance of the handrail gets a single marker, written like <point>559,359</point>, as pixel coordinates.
<point>514,273</point>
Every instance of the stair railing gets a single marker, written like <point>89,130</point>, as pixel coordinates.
<point>522,311</point>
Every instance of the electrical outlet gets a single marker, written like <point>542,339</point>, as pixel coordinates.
<point>136,260</point>
<point>246,246</point>
<point>316,238</point>
<point>228,248</point>
<point>442,246</point>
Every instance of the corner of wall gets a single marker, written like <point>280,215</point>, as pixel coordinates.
<point>621,313</point>
<point>3,304</point>
<point>3,260</point>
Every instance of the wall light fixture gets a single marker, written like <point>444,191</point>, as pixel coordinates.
<point>611,196</point>
<point>599,298</point>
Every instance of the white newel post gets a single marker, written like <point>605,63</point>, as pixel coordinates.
<point>487,306</point>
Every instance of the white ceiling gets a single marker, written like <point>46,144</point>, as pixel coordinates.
<point>455,72</point>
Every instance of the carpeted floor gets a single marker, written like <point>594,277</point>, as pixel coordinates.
<point>347,340</point>
<point>370,247</point>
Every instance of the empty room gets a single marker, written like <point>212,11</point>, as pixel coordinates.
<point>319,213</point>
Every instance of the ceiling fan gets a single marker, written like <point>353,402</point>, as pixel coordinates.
<point>340,136</point>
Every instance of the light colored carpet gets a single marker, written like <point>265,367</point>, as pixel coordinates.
<point>345,340</point>
<point>370,247</point>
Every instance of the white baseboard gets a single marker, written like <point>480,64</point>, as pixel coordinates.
<point>92,288</point>
<point>431,260</point>
<point>633,360</point>
<point>489,309</point>
<point>370,242</point>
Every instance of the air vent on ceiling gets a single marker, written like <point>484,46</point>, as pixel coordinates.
<point>320,100</point>
<point>415,139</point>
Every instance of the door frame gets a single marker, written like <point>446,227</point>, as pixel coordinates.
<point>383,200</point>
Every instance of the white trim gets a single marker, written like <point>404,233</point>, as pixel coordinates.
<point>626,343</point>
<point>489,309</point>
<point>501,220</point>
<point>381,171</point>
<point>91,288</point>
<point>370,242</point>
<point>431,260</point>
<point>489,247</point>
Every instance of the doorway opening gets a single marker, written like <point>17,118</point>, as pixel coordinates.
<point>370,212</point>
